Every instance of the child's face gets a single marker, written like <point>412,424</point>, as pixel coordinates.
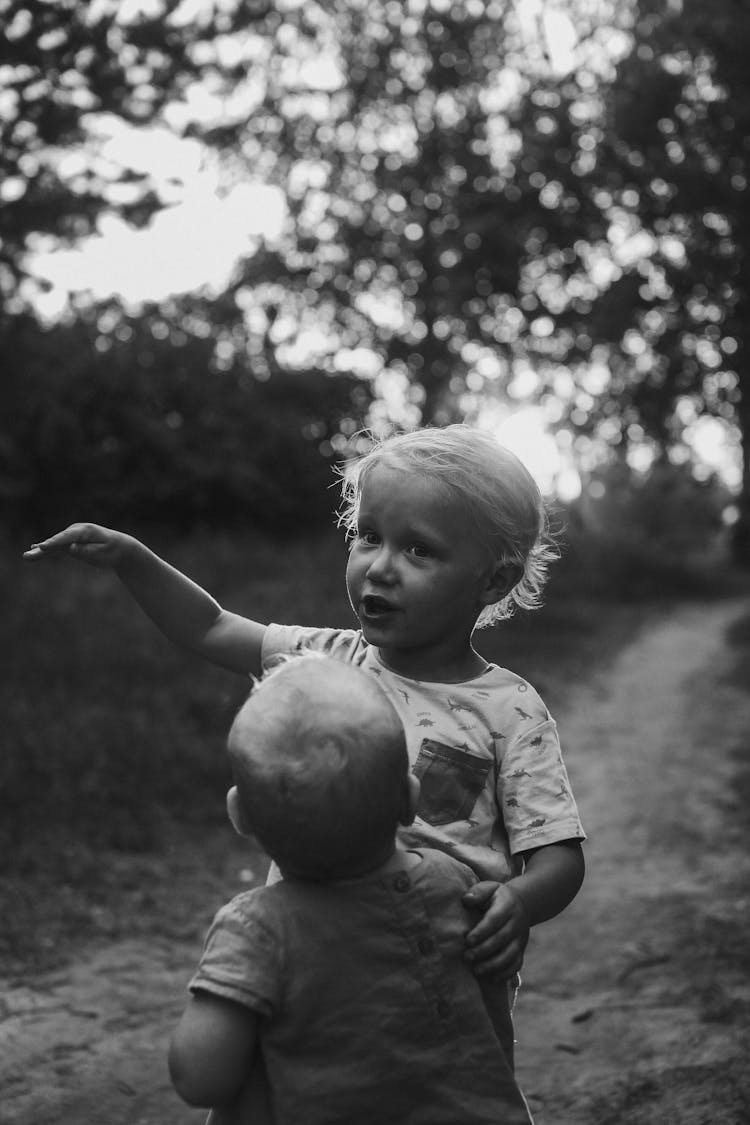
<point>417,575</point>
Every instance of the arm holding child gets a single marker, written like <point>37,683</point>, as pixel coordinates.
<point>551,879</point>
<point>181,609</point>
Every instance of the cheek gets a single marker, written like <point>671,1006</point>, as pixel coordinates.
<point>353,573</point>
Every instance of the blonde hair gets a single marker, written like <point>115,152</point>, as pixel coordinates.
<point>320,763</point>
<point>500,494</point>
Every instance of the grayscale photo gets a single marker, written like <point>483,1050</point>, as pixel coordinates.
<point>375,533</point>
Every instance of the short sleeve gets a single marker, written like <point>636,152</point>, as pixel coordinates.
<point>534,792</point>
<point>293,640</point>
<point>241,957</point>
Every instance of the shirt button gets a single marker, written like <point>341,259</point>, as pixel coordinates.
<point>401,882</point>
<point>426,945</point>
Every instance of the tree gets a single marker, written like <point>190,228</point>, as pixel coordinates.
<point>462,211</point>
<point>430,158</point>
<point>64,65</point>
<point>154,415</point>
<point>663,340</point>
<point>128,418</point>
<point>414,206</point>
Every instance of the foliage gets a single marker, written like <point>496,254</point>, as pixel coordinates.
<point>469,217</point>
<point>102,714</point>
<point>668,333</point>
<point>418,191</point>
<point>115,419</point>
<point>66,69</point>
<point>654,534</point>
<point>113,739</point>
<point>485,224</point>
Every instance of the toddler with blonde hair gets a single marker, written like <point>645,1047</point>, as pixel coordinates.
<point>447,533</point>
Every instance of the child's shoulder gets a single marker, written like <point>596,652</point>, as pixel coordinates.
<point>438,866</point>
<point>500,676</point>
<point>245,905</point>
<point>494,689</point>
<point>502,683</point>
<point>286,640</point>
<point>260,908</point>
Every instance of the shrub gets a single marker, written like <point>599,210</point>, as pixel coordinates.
<point>146,428</point>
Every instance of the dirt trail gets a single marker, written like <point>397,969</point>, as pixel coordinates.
<point>635,1006</point>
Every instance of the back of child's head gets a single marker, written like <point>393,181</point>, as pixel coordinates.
<point>498,492</point>
<point>320,763</point>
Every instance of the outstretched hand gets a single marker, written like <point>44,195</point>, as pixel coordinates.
<point>496,945</point>
<point>98,546</point>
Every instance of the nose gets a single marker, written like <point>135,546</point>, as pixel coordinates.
<point>381,567</point>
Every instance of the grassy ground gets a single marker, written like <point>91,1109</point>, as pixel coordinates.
<point>738,797</point>
<point>113,775</point>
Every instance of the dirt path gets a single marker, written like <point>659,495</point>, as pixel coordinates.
<point>636,1002</point>
<point>637,1006</point>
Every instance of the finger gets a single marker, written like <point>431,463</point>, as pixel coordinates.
<point>50,547</point>
<point>483,932</point>
<point>500,969</point>
<point>39,550</point>
<point>493,943</point>
<point>82,541</point>
<point>479,895</point>
<point>77,533</point>
<point>507,959</point>
<point>497,918</point>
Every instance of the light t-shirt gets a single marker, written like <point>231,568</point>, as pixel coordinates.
<point>486,751</point>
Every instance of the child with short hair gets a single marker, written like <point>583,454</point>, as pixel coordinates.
<point>348,974</point>
<point>448,532</point>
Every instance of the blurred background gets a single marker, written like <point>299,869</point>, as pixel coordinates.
<point>236,234</point>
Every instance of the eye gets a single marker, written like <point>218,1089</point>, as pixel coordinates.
<point>366,536</point>
<point>420,550</point>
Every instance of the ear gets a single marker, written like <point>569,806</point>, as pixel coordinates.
<point>411,799</point>
<point>500,581</point>
<point>236,814</point>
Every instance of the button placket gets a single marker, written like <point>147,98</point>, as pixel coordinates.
<point>443,1009</point>
<point>428,961</point>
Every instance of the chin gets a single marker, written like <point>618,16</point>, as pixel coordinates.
<point>372,634</point>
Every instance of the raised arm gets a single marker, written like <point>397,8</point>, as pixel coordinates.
<point>181,609</point>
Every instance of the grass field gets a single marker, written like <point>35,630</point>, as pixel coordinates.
<point>112,774</point>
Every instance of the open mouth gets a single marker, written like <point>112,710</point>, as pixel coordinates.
<point>374,606</point>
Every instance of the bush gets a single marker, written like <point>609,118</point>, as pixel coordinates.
<point>657,536</point>
<point>145,428</point>
<point>109,731</point>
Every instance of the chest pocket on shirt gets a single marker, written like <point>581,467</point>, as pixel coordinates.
<point>450,779</point>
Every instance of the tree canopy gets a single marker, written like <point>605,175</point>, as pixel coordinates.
<point>479,208</point>
<point>64,68</point>
<point>674,166</point>
<point>417,146</point>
